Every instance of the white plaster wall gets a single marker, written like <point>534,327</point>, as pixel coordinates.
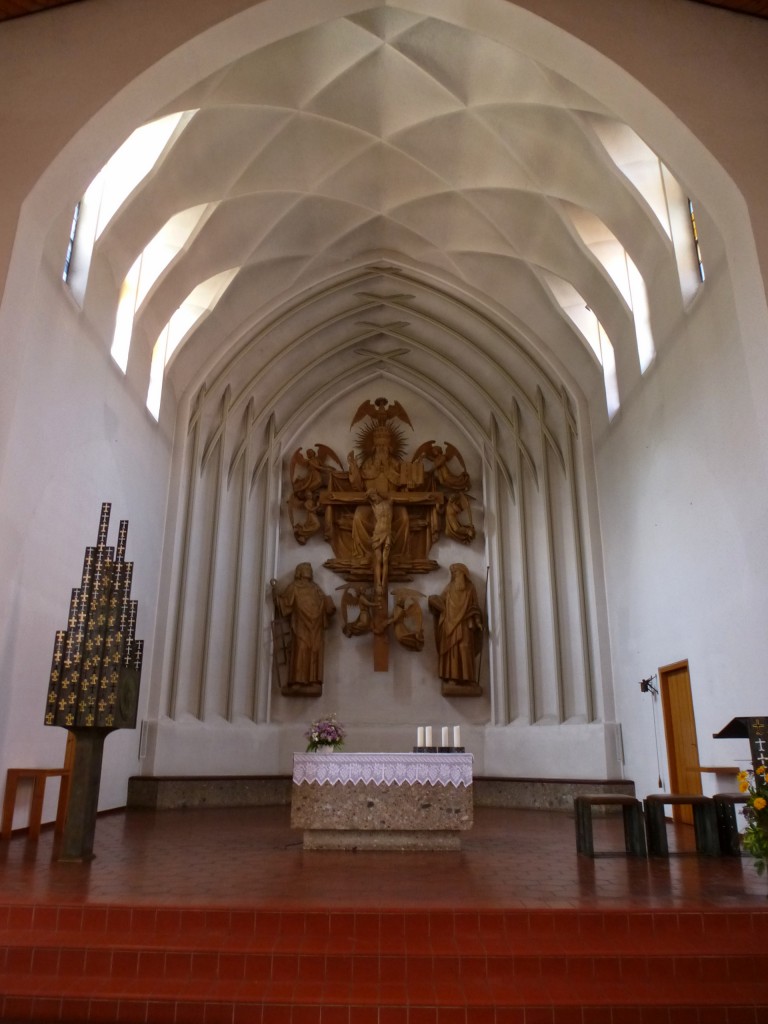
<point>78,438</point>
<point>682,484</point>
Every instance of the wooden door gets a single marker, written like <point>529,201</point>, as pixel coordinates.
<point>680,731</point>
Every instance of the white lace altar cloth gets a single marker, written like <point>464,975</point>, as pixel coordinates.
<point>391,769</point>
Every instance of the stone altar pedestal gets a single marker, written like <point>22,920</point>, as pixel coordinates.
<point>382,801</point>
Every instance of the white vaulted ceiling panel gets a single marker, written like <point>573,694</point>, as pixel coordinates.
<point>390,138</point>
<point>384,95</point>
<point>318,147</point>
<point>465,152</point>
<point>382,177</point>
<point>288,73</point>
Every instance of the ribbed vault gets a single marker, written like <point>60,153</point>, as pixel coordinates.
<point>389,134</point>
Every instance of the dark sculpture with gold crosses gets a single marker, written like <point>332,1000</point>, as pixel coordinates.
<point>95,674</point>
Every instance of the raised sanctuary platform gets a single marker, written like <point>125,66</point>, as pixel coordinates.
<point>172,792</point>
<point>378,801</point>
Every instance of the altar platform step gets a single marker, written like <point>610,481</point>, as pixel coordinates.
<point>210,965</point>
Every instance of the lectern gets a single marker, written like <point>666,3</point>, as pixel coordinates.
<point>754,729</point>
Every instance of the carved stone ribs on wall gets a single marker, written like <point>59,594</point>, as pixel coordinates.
<point>381,511</point>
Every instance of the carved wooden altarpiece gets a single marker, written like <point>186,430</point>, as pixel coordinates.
<point>381,512</point>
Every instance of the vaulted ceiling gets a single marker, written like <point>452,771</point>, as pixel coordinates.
<point>388,137</point>
<point>475,170</point>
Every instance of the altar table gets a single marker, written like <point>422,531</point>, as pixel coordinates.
<point>382,801</point>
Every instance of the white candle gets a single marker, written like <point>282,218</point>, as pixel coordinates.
<point>428,736</point>
<point>420,736</point>
<point>457,735</point>
<point>444,736</point>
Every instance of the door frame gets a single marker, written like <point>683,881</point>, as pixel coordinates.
<point>672,729</point>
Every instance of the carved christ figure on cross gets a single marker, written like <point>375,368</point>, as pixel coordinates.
<point>381,540</point>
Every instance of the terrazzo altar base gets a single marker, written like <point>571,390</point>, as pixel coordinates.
<point>381,816</point>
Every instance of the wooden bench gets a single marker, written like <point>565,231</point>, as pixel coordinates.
<point>727,826</point>
<point>704,823</point>
<point>631,808</point>
<point>39,778</point>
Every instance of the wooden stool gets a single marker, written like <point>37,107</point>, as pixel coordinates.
<point>727,827</point>
<point>634,832</point>
<point>39,777</point>
<point>704,823</point>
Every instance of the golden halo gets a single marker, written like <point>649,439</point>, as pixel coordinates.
<point>365,441</point>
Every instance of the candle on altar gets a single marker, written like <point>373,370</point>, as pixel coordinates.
<point>444,736</point>
<point>457,735</point>
<point>428,736</point>
<point>420,736</point>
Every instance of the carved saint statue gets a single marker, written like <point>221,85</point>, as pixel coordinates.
<point>309,612</point>
<point>458,633</point>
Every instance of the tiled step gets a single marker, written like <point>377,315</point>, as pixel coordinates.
<point>484,982</point>
<point>52,967</point>
<point>189,1011</point>
<point>206,965</point>
<point>340,931</point>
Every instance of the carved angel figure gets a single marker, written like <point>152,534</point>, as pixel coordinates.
<point>302,511</point>
<point>456,507</point>
<point>448,467</point>
<point>360,599</point>
<point>406,619</point>
<point>311,471</point>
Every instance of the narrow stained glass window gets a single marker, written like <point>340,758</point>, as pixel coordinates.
<point>696,245</point>
<point>71,244</point>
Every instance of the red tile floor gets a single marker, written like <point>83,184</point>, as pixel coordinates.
<point>219,916</point>
<point>250,857</point>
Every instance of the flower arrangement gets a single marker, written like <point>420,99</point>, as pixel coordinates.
<point>325,732</point>
<point>755,785</point>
